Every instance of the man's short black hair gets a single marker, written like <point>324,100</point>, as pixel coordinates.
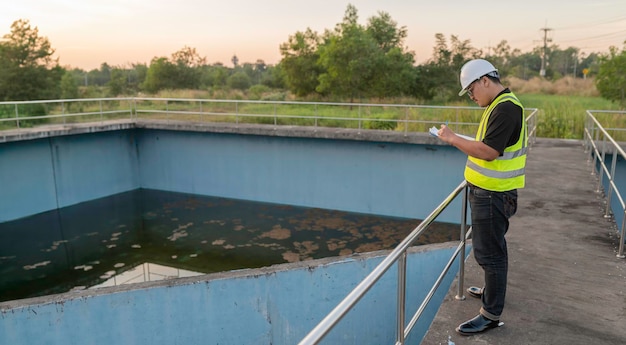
<point>493,76</point>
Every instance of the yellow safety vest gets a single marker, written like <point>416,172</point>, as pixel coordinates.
<point>507,171</point>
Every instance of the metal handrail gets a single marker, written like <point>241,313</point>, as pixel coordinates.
<point>594,132</point>
<point>142,105</point>
<point>531,124</point>
<point>397,255</point>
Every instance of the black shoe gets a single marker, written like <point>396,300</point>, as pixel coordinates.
<point>475,291</point>
<point>477,325</point>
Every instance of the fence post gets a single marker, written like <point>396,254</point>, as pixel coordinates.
<point>100,102</point>
<point>620,254</point>
<point>602,165</point>
<point>17,117</point>
<point>406,121</point>
<point>609,188</point>
<point>460,294</point>
<point>401,299</point>
<point>63,112</point>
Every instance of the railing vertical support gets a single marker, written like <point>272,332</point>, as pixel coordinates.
<point>595,137</point>
<point>460,294</point>
<point>406,121</point>
<point>100,103</point>
<point>620,253</point>
<point>63,112</point>
<point>17,116</point>
<point>603,162</point>
<point>611,180</point>
<point>401,299</point>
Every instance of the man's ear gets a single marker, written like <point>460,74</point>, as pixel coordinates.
<point>486,81</point>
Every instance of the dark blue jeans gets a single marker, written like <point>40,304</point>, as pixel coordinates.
<point>490,221</point>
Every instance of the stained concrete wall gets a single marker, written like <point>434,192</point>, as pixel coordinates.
<point>620,182</point>
<point>44,174</point>
<point>392,179</point>
<point>276,305</point>
<point>384,173</point>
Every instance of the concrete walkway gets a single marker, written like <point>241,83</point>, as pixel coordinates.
<point>566,285</point>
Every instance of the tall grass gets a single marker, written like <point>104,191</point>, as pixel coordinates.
<point>563,105</point>
<point>562,109</point>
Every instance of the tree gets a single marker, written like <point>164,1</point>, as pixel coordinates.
<point>445,65</point>
<point>235,61</point>
<point>385,31</point>
<point>188,63</point>
<point>299,63</point>
<point>69,86</point>
<point>27,69</point>
<point>354,60</point>
<point>394,73</point>
<point>118,84</point>
<point>611,79</point>
<point>274,77</point>
<point>161,75</point>
<point>239,80</point>
<point>348,57</point>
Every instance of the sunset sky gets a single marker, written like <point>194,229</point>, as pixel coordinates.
<point>86,33</point>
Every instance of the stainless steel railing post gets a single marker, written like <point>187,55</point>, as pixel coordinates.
<point>400,318</point>
<point>620,253</point>
<point>460,294</point>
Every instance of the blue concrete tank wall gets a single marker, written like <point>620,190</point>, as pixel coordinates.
<point>404,180</point>
<point>279,305</point>
<point>392,179</point>
<point>620,182</point>
<point>45,174</point>
<point>26,179</point>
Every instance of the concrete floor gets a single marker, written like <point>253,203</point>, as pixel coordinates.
<point>566,285</point>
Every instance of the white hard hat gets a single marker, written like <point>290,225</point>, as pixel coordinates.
<point>473,70</point>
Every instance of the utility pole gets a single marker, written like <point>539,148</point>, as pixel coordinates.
<point>545,47</point>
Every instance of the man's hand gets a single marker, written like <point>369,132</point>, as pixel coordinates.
<point>472,148</point>
<point>446,134</point>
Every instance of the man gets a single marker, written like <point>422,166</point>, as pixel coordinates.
<point>494,171</point>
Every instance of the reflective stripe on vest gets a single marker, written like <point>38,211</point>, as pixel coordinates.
<point>507,171</point>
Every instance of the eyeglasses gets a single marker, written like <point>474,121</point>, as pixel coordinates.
<point>470,88</point>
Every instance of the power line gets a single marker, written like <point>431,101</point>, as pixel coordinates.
<point>592,24</point>
<point>609,35</point>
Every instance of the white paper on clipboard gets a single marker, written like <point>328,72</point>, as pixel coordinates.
<point>434,131</point>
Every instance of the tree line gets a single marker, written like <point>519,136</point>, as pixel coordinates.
<point>351,62</point>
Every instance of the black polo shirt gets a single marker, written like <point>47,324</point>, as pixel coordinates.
<point>504,125</point>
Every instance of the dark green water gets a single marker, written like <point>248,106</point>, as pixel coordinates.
<point>83,245</point>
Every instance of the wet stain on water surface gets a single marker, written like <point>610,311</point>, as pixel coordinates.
<point>87,244</point>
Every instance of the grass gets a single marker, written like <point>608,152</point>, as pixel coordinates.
<point>562,104</point>
<point>564,116</point>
